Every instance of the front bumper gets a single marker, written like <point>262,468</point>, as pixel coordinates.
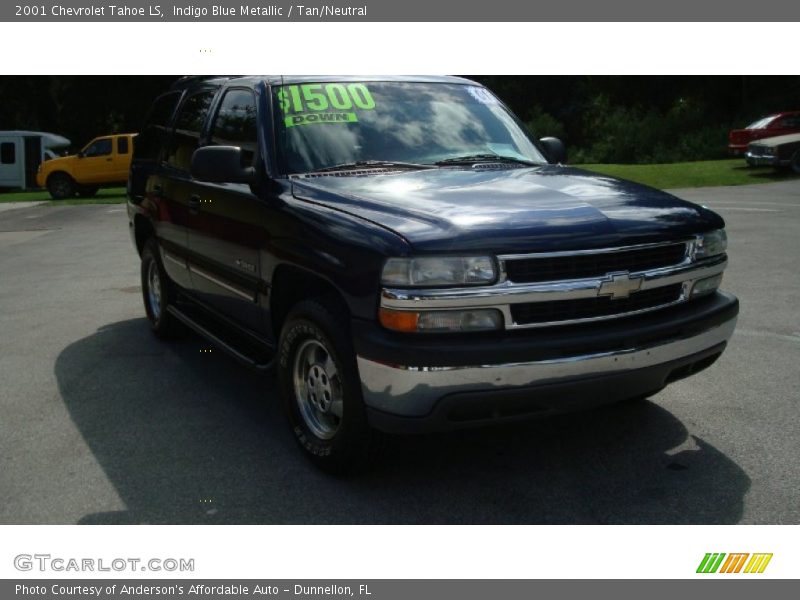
<point>761,160</point>
<point>418,388</point>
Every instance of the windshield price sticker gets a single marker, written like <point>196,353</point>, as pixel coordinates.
<point>311,103</point>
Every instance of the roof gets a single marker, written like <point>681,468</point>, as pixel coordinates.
<point>290,79</point>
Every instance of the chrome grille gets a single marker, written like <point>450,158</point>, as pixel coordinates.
<point>565,266</point>
<point>595,308</point>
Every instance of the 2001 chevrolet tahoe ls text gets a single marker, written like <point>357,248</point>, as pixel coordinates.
<point>410,259</point>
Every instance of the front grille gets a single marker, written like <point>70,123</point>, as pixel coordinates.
<point>579,266</point>
<point>589,308</point>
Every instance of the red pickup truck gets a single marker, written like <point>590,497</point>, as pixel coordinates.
<point>779,124</point>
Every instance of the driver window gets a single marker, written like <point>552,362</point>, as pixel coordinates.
<point>101,147</point>
<point>235,123</point>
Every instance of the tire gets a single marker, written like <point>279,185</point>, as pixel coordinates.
<point>87,191</point>
<point>795,164</point>
<point>321,390</point>
<point>157,292</point>
<point>61,186</point>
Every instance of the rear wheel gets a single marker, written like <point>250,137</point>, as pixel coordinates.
<point>321,388</point>
<point>157,292</point>
<point>60,186</point>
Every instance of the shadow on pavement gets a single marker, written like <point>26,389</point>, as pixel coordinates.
<point>191,437</point>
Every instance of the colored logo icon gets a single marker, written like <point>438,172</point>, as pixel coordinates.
<point>719,562</point>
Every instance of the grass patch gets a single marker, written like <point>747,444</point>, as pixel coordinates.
<point>114,195</point>
<point>702,173</point>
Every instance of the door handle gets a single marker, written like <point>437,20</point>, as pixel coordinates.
<point>109,159</point>
<point>194,204</point>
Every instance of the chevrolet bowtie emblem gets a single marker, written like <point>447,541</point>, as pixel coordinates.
<point>619,285</point>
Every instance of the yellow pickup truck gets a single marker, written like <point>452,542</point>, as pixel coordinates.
<point>104,161</point>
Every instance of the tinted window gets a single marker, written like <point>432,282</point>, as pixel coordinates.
<point>122,145</point>
<point>8,153</point>
<point>101,147</point>
<point>154,133</point>
<point>235,123</point>
<point>188,128</point>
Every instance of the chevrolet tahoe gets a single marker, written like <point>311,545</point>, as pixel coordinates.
<point>409,258</point>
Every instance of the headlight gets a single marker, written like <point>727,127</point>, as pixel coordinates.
<point>438,321</point>
<point>711,244</point>
<point>430,271</point>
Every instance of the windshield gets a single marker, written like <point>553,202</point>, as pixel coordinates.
<point>761,123</point>
<point>323,125</point>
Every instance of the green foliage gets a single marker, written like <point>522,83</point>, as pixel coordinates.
<point>543,124</point>
<point>644,118</point>
<point>625,134</point>
<point>79,107</point>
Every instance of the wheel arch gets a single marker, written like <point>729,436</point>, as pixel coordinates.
<point>290,285</point>
<point>143,230</point>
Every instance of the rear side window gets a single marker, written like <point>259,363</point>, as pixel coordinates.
<point>153,136</point>
<point>235,123</point>
<point>188,128</point>
<point>8,153</point>
<point>122,145</point>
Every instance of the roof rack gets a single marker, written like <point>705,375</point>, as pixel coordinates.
<point>188,80</point>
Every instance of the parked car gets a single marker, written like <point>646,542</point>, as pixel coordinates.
<point>409,258</point>
<point>771,126</point>
<point>103,162</point>
<point>21,153</point>
<point>781,151</point>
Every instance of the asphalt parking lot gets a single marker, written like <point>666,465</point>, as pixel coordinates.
<point>101,423</point>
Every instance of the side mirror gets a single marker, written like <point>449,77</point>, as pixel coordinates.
<point>555,149</point>
<point>80,154</point>
<point>221,164</point>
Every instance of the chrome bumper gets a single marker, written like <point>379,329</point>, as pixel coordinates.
<point>413,391</point>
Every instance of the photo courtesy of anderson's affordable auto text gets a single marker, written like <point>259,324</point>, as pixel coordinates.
<point>523,324</point>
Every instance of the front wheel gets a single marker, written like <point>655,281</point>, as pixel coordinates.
<point>61,186</point>
<point>321,388</point>
<point>157,292</point>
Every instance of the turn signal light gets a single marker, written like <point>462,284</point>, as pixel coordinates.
<point>399,320</point>
<point>441,321</point>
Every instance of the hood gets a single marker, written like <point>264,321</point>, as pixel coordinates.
<point>60,160</point>
<point>536,209</point>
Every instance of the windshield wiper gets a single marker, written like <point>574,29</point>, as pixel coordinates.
<point>479,158</point>
<point>374,164</point>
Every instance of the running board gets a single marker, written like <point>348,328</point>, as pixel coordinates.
<point>249,359</point>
